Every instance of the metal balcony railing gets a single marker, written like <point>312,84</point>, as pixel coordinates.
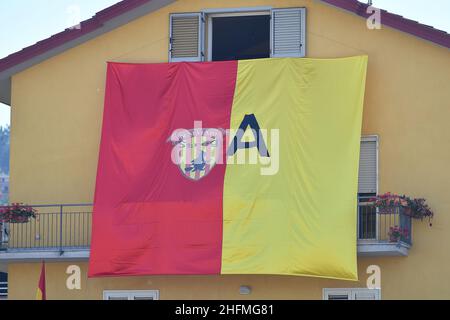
<point>56,227</point>
<point>382,226</point>
<point>65,227</point>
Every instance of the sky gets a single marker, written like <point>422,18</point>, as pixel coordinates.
<point>24,22</point>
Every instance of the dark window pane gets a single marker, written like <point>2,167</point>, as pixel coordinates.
<point>338,297</point>
<point>237,38</point>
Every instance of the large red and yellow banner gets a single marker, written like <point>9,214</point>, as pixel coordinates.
<point>181,190</point>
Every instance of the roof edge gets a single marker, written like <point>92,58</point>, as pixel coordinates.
<point>110,18</point>
<point>69,34</point>
<point>103,22</point>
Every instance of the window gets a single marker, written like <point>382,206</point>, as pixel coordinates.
<point>351,294</point>
<point>131,295</point>
<point>234,34</point>
<point>367,188</point>
<point>3,286</point>
<point>368,165</point>
<point>240,37</point>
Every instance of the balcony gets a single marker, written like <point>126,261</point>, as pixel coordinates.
<point>374,228</point>
<point>63,232</point>
<point>59,232</point>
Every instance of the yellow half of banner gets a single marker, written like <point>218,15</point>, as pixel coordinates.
<point>295,212</point>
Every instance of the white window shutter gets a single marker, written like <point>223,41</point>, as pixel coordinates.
<point>288,32</point>
<point>367,294</point>
<point>131,295</point>
<point>337,294</point>
<point>338,297</point>
<point>368,166</point>
<point>351,294</point>
<point>146,295</point>
<point>186,37</point>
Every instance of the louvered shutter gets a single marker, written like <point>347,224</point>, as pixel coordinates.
<point>366,294</point>
<point>337,294</point>
<point>288,32</point>
<point>186,37</point>
<point>351,294</point>
<point>146,295</point>
<point>368,166</point>
<point>131,295</point>
<point>118,298</point>
<point>338,297</point>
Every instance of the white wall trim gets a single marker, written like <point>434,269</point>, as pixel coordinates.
<point>237,10</point>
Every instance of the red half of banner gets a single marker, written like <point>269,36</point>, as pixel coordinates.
<point>148,218</point>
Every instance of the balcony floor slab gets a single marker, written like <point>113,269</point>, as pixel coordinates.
<point>378,249</point>
<point>37,255</point>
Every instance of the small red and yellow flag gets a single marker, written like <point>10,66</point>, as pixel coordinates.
<point>40,294</point>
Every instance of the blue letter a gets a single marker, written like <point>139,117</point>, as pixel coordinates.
<point>249,121</point>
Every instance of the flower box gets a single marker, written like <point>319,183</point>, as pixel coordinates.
<point>16,213</point>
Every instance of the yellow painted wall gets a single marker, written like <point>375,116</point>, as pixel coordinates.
<point>24,279</point>
<point>56,122</point>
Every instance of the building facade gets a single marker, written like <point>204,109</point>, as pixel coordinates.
<point>56,93</point>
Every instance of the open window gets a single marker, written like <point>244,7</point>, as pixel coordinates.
<point>238,37</point>
<point>236,34</point>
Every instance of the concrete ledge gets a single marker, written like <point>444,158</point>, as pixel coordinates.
<point>9,256</point>
<point>368,249</point>
<point>378,249</point>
